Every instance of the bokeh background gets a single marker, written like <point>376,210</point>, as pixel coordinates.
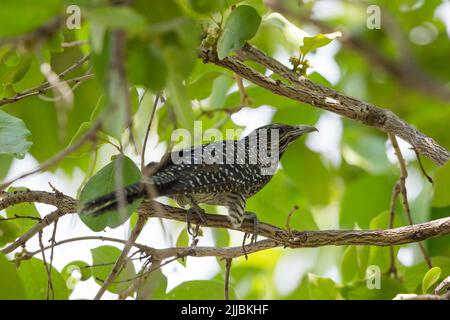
<point>341,178</point>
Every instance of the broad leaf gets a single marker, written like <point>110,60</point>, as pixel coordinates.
<point>199,290</point>
<point>35,280</point>
<point>153,287</point>
<point>317,41</point>
<point>430,278</point>
<point>13,136</point>
<point>104,182</point>
<point>10,283</point>
<point>103,259</point>
<point>242,25</point>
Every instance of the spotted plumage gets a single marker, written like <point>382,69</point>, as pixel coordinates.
<point>223,173</point>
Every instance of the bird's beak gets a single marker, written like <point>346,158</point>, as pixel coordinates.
<point>300,130</point>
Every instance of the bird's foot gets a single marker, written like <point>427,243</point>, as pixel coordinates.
<point>254,236</point>
<point>200,213</point>
<point>252,216</point>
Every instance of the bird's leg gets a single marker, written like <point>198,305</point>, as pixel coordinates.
<point>252,216</point>
<point>198,211</point>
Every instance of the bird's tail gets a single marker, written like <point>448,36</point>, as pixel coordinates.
<point>110,201</point>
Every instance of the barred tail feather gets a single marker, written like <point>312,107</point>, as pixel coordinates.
<point>110,202</point>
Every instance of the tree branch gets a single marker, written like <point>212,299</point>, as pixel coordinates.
<point>306,91</point>
<point>276,236</point>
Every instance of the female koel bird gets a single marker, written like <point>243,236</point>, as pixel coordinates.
<point>223,173</point>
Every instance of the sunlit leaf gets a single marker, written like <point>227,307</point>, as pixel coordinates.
<point>13,136</point>
<point>241,26</point>
<point>317,41</point>
<point>430,278</point>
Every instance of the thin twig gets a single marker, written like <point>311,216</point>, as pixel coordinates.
<point>395,193</point>
<point>44,90</point>
<point>422,168</point>
<point>147,133</point>
<point>404,193</point>
<point>227,277</point>
<point>50,294</point>
<point>141,247</point>
<point>243,96</point>
<point>52,246</point>
<point>46,84</point>
<point>443,286</point>
<point>16,217</point>
<point>122,258</point>
<point>288,220</point>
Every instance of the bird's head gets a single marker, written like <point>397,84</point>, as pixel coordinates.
<point>286,133</point>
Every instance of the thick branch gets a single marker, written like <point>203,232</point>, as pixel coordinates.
<point>306,91</point>
<point>276,236</point>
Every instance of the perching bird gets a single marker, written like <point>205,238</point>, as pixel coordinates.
<point>224,173</point>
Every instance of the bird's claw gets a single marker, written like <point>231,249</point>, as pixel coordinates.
<point>200,213</point>
<point>254,236</point>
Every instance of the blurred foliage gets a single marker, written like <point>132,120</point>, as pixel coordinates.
<point>162,37</point>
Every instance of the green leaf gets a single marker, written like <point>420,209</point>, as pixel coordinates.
<point>307,170</point>
<point>367,152</point>
<point>182,242</point>
<point>103,182</point>
<point>242,25</point>
<point>389,288</point>
<point>322,288</point>
<point>69,273</point>
<point>77,265</point>
<point>441,181</point>
<point>9,231</point>
<point>146,66</point>
<point>317,41</point>
<point>32,15</point>
<point>180,102</point>
<point>14,72</point>
<point>10,283</point>
<point>35,280</point>
<point>153,287</point>
<point>86,148</point>
<point>364,198</point>
<point>13,136</point>
<point>5,164</point>
<point>103,259</point>
<point>207,6</point>
<point>349,265</point>
<point>201,88</point>
<point>413,276</point>
<point>199,290</point>
<point>430,278</point>
<point>117,17</point>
